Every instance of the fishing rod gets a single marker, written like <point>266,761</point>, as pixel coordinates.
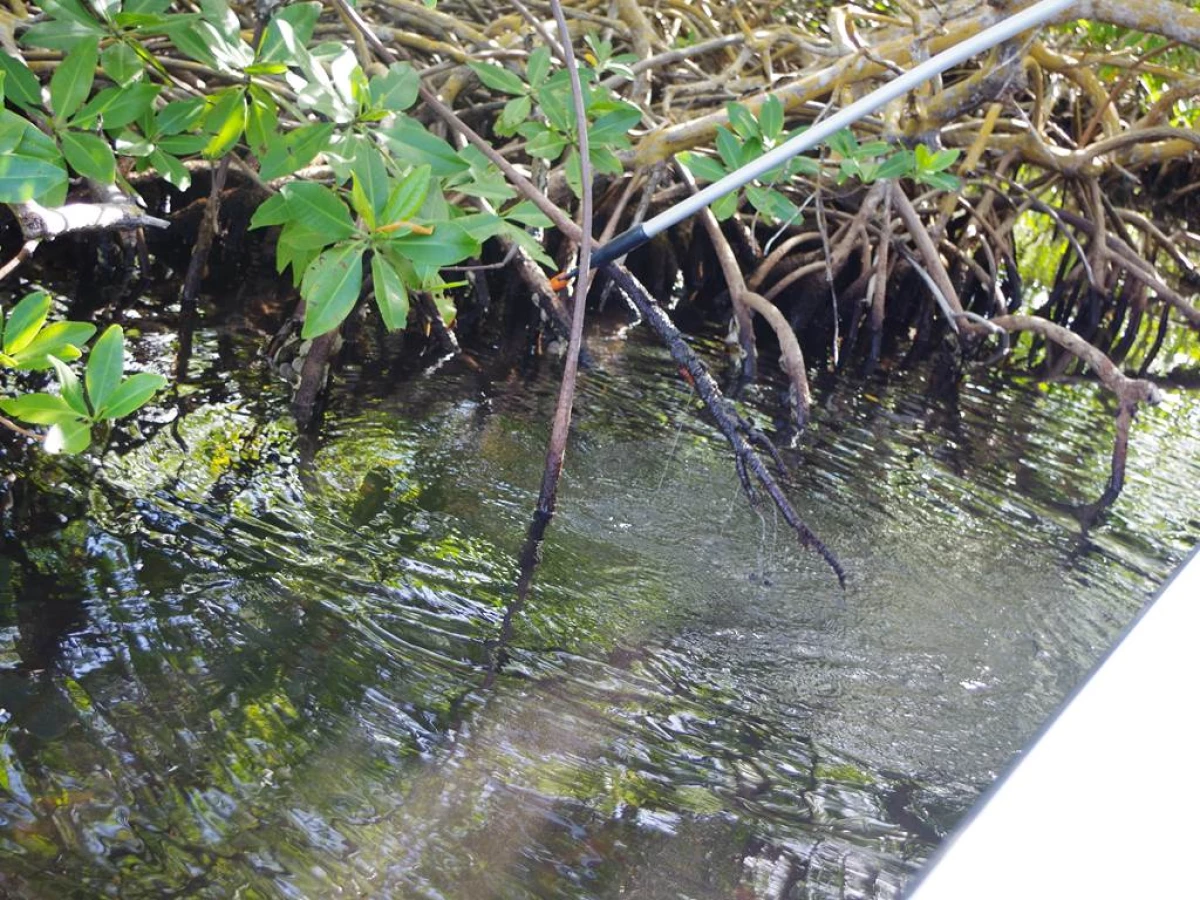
<point>1030,17</point>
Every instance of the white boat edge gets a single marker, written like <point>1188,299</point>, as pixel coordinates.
<point>1103,802</point>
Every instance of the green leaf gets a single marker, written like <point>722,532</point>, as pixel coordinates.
<point>547,145</point>
<point>843,143</point>
<point>703,167</point>
<point>68,436</point>
<point>295,150</point>
<point>121,63</point>
<point>604,161</point>
<point>171,169</point>
<point>614,126</point>
<point>70,388</point>
<point>72,79</point>
<point>497,78</point>
<point>105,364</point>
<point>528,243</point>
<point>729,148</point>
<point>726,206</point>
<point>527,214</point>
<point>131,394</point>
<point>772,204</point>
<point>370,173</point>
<point>89,155</point>
<point>20,85</point>
<point>515,113</point>
<point>391,296</point>
<point>742,121</point>
<point>407,196</point>
<point>480,226</point>
<point>26,178</point>
<point>61,339</point>
<point>770,118</point>
<point>412,145</point>
<point>320,208</point>
<point>449,244</point>
<point>117,106</point>
<point>262,119</point>
<point>60,34</point>
<point>942,181</point>
<point>396,89</point>
<point>537,67</point>
<point>25,321</point>
<point>180,115</point>
<point>225,122</point>
<point>573,173</point>
<point>39,408</point>
<point>182,144</point>
<point>330,288</point>
<point>292,26</point>
<point>898,165</point>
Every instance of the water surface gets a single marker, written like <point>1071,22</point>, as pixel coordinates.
<point>240,662</point>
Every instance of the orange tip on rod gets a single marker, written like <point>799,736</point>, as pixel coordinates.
<point>1009,27</point>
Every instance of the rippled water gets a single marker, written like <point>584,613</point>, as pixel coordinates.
<point>235,662</point>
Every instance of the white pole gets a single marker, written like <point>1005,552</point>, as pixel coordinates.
<point>1029,17</point>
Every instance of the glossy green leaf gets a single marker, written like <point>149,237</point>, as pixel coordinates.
<point>573,173</point>
<point>61,339</point>
<point>121,63</point>
<point>26,178</point>
<point>497,78</point>
<point>330,288</point>
<point>319,207</point>
<point>131,394</point>
<point>291,27</point>
<point>287,153</point>
<point>69,436</point>
<point>106,362</point>
<point>89,155</point>
<point>20,85</point>
<point>703,167</point>
<point>118,106</point>
<point>449,244</point>
<point>412,145</point>
<point>39,408</point>
<point>262,119</point>
<point>225,122</point>
<point>898,165</point>
<point>171,169</point>
<point>180,115</point>
<point>407,196</point>
<point>62,34</point>
<point>25,321</point>
<point>395,90</point>
<point>370,173</point>
<point>72,79</point>
<point>391,296</point>
<point>70,389</point>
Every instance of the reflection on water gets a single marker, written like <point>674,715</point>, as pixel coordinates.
<point>254,668</point>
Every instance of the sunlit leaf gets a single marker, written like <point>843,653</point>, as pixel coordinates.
<point>391,296</point>
<point>70,436</point>
<point>330,288</point>
<point>89,155</point>
<point>39,408</point>
<point>131,394</point>
<point>69,387</point>
<point>25,321</point>
<point>72,79</point>
<point>106,362</point>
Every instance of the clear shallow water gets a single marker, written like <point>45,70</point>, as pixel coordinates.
<point>254,669</point>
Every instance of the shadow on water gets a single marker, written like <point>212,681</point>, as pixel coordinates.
<point>254,667</point>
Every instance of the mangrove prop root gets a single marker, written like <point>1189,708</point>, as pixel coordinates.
<point>723,413</point>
